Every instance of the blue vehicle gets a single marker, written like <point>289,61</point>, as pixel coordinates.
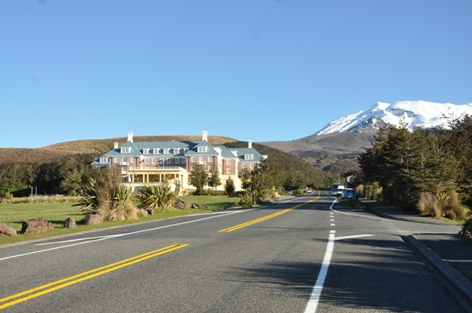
<point>349,193</point>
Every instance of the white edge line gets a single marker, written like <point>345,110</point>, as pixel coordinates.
<point>99,238</point>
<point>353,236</point>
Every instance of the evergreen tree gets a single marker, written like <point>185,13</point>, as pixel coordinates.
<point>214,180</point>
<point>198,178</point>
<point>230,188</point>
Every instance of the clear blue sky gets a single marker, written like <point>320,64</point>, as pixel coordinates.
<point>260,70</point>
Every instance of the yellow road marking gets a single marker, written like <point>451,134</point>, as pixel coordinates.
<point>41,290</point>
<point>239,226</point>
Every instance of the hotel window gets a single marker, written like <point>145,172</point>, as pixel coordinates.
<point>202,149</point>
<point>176,150</point>
<point>147,161</point>
<point>177,161</point>
<point>169,161</point>
<point>228,162</point>
<point>155,151</point>
<point>124,160</point>
<point>103,160</point>
<point>209,168</point>
<point>153,160</point>
<point>146,151</point>
<point>183,160</point>
<point>132,159</point>
<point>166,151</point>
<point>202,160</point>
<point>126,150</point>
<point>116,160</point>
<point>244,165</point>
<point>252,165</point>
<point>210,159</point>
<point>249,157</point>
<point>193,159</point>
<point>228,171</point>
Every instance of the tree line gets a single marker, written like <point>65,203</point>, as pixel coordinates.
<point>68,174</point>
<point>424,169</point>
<point>61,175</point>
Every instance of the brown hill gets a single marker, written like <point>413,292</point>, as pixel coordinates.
<point>335,143</point>
<point>336,152</point>
<point>95,147</point>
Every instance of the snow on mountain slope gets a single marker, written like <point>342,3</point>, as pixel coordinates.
<point>414,113</point>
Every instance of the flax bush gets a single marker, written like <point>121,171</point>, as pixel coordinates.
<point>155,197</point>
<point>108,198</point>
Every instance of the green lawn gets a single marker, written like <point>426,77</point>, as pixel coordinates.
<point>13,215</point>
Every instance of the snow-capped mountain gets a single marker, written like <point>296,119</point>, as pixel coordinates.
<point>412,113</point>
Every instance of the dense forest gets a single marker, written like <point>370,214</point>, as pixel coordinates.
<point>425,169</point>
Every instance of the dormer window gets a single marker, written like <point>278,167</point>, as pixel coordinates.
<point>125,150</point>
<point>155,151</point>
<point>166,151</point>
<point>176,150</point>
<point>146,151</point>
<point>202,149</point>
<point>249,157</point>
<point>103,160</point>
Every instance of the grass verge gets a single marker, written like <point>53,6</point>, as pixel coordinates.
<point>13,215</point>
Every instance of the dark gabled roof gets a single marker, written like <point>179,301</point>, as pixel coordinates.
<point>186,148</point>
<point>198,144</point>
<point>242,152</point>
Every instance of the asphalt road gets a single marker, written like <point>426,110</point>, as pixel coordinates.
<point>300,255</point>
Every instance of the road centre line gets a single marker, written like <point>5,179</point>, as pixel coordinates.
<point>239,226</point>
<point>59,284</point>
<point>100,238</point>
<point>318,288</point>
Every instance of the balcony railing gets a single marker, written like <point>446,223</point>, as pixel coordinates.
<point>135,168</point>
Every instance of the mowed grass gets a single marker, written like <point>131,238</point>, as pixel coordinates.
<point>13,215</point>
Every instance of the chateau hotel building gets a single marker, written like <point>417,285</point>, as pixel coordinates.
<point>144,163</point>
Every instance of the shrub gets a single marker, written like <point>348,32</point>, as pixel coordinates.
<point>428,204</point>
<point>122,207</point>
<point>108,198</point>
<point>245,200</point>
<point>441,204</point>
<point>8,197</point>
<point>156,197</point>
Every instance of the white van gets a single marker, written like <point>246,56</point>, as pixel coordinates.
<point>337,190</point>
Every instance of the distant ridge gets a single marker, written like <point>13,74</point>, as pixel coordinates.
<point>92,147</point>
